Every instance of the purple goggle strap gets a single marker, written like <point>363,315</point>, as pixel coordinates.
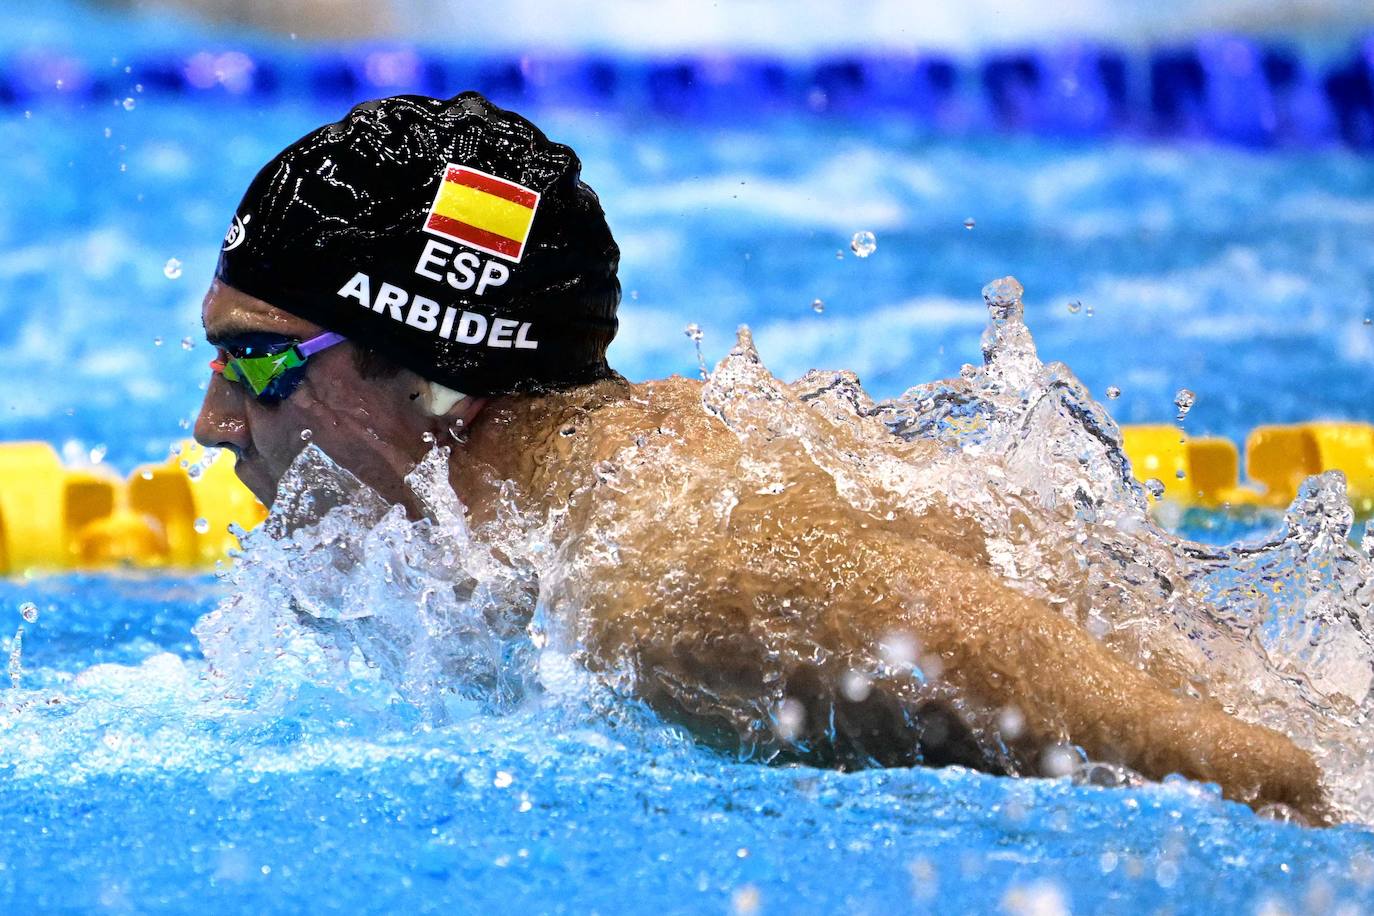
<point>316,344</point>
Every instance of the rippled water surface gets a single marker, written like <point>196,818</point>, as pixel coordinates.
<point>139,791</point>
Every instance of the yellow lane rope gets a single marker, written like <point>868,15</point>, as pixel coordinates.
<point>171,515</point>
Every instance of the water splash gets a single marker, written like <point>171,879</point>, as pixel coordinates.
<point>1278,633</point>
<point>695,334</point>
<point>1015,454</point>
<point>427,605</point>
<point>1184,401</point>
<point>16,664</point>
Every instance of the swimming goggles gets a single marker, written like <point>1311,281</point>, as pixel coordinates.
<point>271,370</point>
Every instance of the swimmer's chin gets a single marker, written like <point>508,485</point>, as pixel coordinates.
<point>264,490</point>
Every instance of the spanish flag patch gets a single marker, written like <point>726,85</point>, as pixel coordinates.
<point>488,213</point>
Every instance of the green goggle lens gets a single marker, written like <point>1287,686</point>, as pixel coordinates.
<point>272,376</point>
<point>259,372</point>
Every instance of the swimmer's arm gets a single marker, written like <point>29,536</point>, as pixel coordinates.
<point>694,630</point>
<point>1009,651</point>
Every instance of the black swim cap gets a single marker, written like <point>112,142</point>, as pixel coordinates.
<point>451,236</point>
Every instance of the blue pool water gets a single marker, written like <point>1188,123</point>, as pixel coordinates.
<point>135,792</point>
<point>132,785</point>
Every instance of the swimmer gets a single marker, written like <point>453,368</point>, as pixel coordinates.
<point>432,270</point>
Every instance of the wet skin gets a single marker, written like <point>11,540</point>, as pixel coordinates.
<point>715,626</point>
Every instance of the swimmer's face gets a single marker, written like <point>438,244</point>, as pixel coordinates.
<point>374,427</point>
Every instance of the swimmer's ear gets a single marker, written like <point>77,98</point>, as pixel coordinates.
<point>454,410</point>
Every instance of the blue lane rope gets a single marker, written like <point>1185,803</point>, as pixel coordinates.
<point>1219,87</point>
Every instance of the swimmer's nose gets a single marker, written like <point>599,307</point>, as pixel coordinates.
<point>222,423</point>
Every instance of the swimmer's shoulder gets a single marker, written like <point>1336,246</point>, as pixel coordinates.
<point>616,414</point>
<point>617,406</point>
<point>673,407</point>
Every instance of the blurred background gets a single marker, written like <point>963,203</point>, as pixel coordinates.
<point>676,25</point>
<point>1186,190</point>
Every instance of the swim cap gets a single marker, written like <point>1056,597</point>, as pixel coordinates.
<point>450,235</point>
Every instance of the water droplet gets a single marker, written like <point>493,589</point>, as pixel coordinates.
<point>29,611</point>
<point>194,471</point>
<point>1184,401</point>
<point>157,341</point>
<point>1113,392</point>
<point>1156,487</point>
<point>969,223</point>
<point>863,243</point>
<point>1368,321</point>
<point>1011,722</point>
<point>899,650</point>
<point>855,685</point>
<point>503,779</point>
<point>789,719</point>
<point>307,434</point>
<point>1180,473</point>
<point>1058,761</point>
<point>172,269</point>
<point>108,133</point>
<point>1090,311</point>
<point>839,254</point>
<point>201,526</point>
<point>694,334</point>
<point>98,453</point>
<point>187,343</point>
<point>129,104</point>
<point>1075,307</point>
<point>817,306</point>
<point>427,437</point>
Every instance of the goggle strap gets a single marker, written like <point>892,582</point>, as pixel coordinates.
<point>316,344</point>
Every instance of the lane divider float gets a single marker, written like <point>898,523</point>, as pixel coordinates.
<point>1205,471</point>
<point>1221,86</point>
<point>173,515</point>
